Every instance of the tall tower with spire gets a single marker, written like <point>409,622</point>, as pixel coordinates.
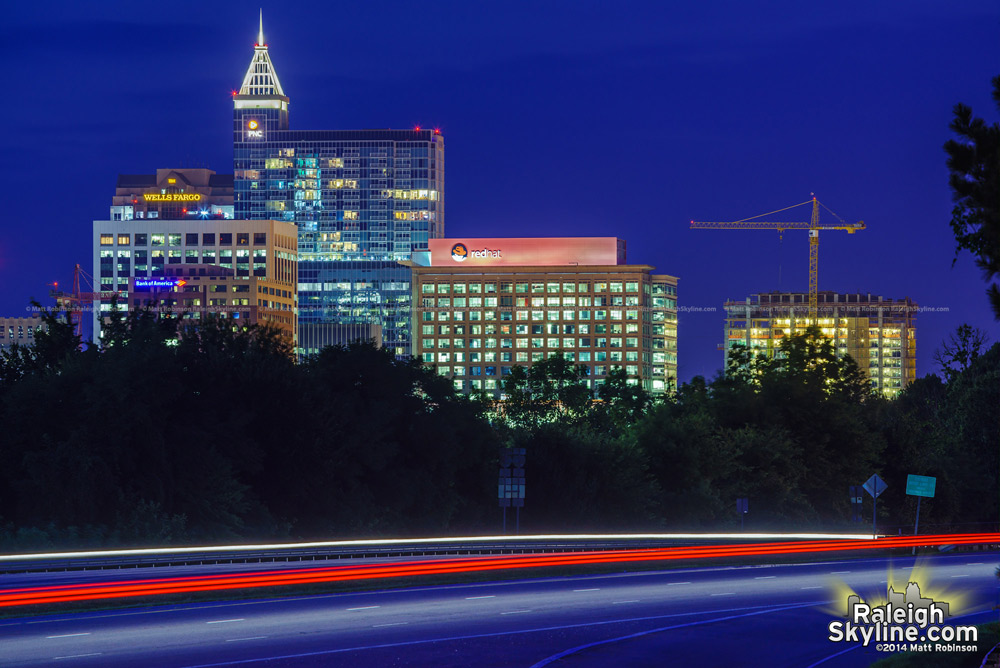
<point>261,105</point>
<point>363,201</point>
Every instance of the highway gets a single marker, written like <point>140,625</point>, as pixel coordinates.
<point>715,616</point>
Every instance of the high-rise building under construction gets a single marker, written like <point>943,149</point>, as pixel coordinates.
<point>879,333</point>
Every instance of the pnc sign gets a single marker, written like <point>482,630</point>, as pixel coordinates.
<point>171,197</point>
<point>253,130</point>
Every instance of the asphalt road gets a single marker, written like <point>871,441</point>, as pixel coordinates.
<point>747,616</point>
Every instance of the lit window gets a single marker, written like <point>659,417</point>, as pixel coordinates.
<point>107,240</point>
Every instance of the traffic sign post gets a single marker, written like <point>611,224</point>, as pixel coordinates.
<point>742,507</point>
<point>510,489</point>
<point>874,486</point>
<point>857,498</point>
<point>920,486</point>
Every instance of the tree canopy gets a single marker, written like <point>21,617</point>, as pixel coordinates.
<point>974,176</point>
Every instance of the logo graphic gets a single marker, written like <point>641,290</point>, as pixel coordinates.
<point>252,125</point>
<point>459,252</point>
<point>253,129</point>
<point>906,621</point>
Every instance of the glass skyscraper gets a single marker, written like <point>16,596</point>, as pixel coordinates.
<point>362,200</point>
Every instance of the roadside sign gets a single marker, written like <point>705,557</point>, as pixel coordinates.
<point>875,486</point>
<point>856,494</point>
<point>920,485</point>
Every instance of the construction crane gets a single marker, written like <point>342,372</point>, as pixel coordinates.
<point>813,226</point>
<point>73,302</point>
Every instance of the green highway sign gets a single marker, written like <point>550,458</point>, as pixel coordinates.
<point>920,485</point>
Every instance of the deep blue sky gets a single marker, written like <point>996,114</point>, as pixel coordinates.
<point>560,118</point>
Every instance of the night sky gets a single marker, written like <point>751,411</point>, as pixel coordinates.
<point>560,118</point>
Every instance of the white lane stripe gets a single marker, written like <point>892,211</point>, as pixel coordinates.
<point>75,656</point>
<point>241,639</point>
<point>68,635</point>
<point>634,600</point>
<point>365,607</point>
<point>838,572</point>
<point>671,584</point>
<point>964,575</point>
<point>765,577</point>
<point>975,563</point>
<point>476,598</point>
<point>514,612</point>
<point>376,626</point>
<point>593,589</point>
<point>728,593</point>
<point>226,621</point>
<point>810,587</point>
<point>765,609</point>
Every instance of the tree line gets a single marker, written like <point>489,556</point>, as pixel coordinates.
<point>162,435</point>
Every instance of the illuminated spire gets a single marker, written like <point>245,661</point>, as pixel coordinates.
<point>261,79</point>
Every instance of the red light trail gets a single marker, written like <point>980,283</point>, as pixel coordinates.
<point>154,587</point>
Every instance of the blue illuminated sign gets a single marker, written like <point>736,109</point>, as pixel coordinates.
<point>166,283</point>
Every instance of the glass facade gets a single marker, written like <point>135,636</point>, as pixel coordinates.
<point>362,200</point>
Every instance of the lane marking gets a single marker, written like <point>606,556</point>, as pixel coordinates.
<point>838,572</point>
<point>476,598</point>
<point>365,607</point>
<point>975,563</point>
<point>574,650</point>
<point>759,610</point>
<point>635,600</point>
<point>226,621</point>
<point>765,577</point>
<point>75,656</point>
<point>378,626</point>
<point>728,593</point>
<point>820,587</point>
<point>242,639</point>
<point>67,635</point>
<point>514,612</point>
<point>593,589</point>
<point>671,584</point>
<point>961,576</point>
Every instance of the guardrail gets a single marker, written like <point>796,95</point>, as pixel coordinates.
<point>375,548</point>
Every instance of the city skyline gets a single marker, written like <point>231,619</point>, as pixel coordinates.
<point>602,127</point>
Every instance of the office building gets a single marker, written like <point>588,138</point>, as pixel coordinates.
<point>363,200</point>
<point>19,330</point>
<point>174,194</point>
<point>880,334</point>
<point>244,269</point>
<point>486,305</point>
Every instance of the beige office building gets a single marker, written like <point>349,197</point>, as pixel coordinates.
<point>483,306</point>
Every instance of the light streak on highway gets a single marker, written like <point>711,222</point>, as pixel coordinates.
<point>426,567</point>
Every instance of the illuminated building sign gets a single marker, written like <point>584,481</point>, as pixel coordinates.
<point>253,130</point>
<point>583,251</point>
<point>172,197</point>
<point>163,283</point>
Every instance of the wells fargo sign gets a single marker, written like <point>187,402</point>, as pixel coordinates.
<point>172,197</point>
